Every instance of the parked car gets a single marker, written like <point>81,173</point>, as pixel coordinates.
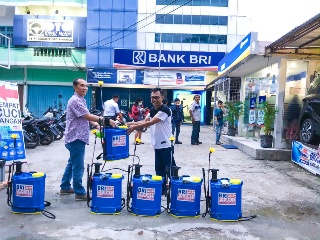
<point>310,114</point>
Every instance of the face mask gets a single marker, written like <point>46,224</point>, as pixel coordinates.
<point>140,103</point>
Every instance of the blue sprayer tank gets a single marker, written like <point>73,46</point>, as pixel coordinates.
<point>106,193</point>
<point>185,196</point>
<point>146,195</point>
<point>116,144</point>
<point>226,198</point>
<point>28,190</point>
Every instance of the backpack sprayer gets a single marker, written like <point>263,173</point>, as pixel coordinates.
<point>223,196</point>
<point>183,192</point>
<point>106,188</point>
<point>144,190</point>
<point>26,190</point>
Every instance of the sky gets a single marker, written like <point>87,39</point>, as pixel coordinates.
<point>274,18</point>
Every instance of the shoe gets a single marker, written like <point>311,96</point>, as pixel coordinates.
<point>66,192</point>
<point>199,142</point>
<point>81,197</point>
<point>218,143</point>
<point>178,142</point>
<point>134,143</point>
<point>141,142</point>
<point>194,143</point>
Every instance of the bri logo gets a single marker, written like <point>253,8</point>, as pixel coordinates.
<point>139,57</point>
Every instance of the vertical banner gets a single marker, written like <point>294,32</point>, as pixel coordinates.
<point>10,123</point>
<point>252,113</point>
<point>260,119</point>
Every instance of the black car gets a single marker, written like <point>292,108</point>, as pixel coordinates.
<point>310,114</point>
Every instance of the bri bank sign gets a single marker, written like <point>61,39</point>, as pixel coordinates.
<point>186,60</point>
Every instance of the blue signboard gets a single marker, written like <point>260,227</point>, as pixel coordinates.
<point>124,58</point>
<point>247,46</point>
<point>48,31</point>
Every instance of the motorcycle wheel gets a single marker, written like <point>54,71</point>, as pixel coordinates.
<point>48,137</point>
<point>59,136</point>
<point>33,140</point>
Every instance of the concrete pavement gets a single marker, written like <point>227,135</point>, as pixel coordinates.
<point>285,198</point>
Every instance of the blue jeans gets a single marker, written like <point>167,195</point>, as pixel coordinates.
<point>75,167</point>
<point>162,161</point>
<point>176,127</point>
<point>218,132</point>
<point>195,132</point>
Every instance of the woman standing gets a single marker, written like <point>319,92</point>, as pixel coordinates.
<point>138,115</point>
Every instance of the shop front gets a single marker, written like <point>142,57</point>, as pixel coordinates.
<point>272,73</point>
<point>181,74</point>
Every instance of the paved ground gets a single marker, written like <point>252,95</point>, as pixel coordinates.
<point>285,198</point>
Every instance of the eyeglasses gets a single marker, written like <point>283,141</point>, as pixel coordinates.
<point>155,97</point>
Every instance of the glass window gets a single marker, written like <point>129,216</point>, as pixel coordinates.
<point>196,2</point>
<point>204,38</point>
<point>168,19</point>
<point>186,38</point>
<point>195,38</point>
<point>205,20</point>
<point>205,2</point>
<point>163,2</point>
<point>159,18</point>
<point>177,19</point>
<point>223,20</point>
<point>157,37</point>
<point>196,20</point>
<point>223,3</point>
<point>167,37</point>
<point>176,38</point>
<point>7,31</point>
<point>186,19</point>
<point>214,20</point>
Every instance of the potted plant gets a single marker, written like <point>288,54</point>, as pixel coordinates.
<point>234,111</point>
<point>269,115</point>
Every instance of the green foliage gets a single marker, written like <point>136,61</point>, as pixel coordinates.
<point>234,111</point>
<point>270,113</point>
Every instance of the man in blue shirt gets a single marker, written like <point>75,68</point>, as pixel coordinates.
<point>177,118</point>
<point>218,120</point>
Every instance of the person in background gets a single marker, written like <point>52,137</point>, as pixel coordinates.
<point>165,101</point>
<point>195,114</point>
<point>76,138</point>
<point>218,119</point>
<point>177,119</point>
<point>159,121</point>
<point>111,108</point>
<point>138,111</point>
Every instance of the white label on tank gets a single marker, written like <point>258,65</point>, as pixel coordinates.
<point>105,191</point>
<point>23,190</point>
<point>186,195</point>
<point>146,193</point>
<point>227,198</point>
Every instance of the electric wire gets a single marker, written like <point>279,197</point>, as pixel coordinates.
<point>139,28</point>
<point>136,23</point>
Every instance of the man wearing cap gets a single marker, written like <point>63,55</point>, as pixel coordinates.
<point>177,119</point>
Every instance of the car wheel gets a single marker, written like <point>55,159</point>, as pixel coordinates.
<point>307,131</point>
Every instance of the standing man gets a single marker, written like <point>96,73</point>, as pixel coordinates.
<point>195,114</point>
<point>111,108</point>
<point>177,119</point>
<point>76,137</point>
<point>218,119</point>
<point>159,121</point>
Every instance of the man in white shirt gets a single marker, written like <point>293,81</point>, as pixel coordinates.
<point>195,114</point>
<point>159,121</point>
<point>111,108</point>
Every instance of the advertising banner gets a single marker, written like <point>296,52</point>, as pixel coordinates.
<point>10,123</point>
<point>182,60</point>
<point>247,46</point>
<point>173,78</point>
<point>252,111</point>
<point>306,157</point>
<point>40,30</point>
<point>260,119</point>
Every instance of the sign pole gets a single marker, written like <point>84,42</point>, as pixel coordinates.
<point>159,57</point>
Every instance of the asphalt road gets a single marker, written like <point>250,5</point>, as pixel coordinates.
<point>285,198</point>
